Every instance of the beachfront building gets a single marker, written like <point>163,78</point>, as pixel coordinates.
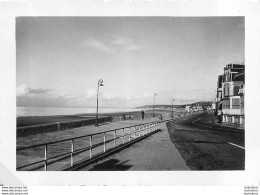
<point>218,105</point>
<point>229,98</point>
<point>241,92</point>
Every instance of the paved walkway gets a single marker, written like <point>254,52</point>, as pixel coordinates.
<point>32,155</point>
<point>157,152</point>
<point>70,133</point>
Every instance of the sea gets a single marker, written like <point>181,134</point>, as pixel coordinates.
<point>52,111</point>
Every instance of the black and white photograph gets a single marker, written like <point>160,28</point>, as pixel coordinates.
<point>130,93</point>
<point>144,96</point>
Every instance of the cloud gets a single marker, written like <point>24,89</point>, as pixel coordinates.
<point>143,95</point>
<point>67,96</point>
<point>91,93</point>
<point>121,41</point>
<point>137,97</point>
<point>33,91</point>
<point>133,48</point>
<point>96,44</point>
<point>126,44</point>
<point>108,96</point>
<point>24,90</point>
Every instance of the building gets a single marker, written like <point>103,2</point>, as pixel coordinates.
<point>241,92</point>
<point>188,108</point>
<point>230,96</point>
<point>218,105</point>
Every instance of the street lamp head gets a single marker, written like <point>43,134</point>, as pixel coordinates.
<point>155,94</point>
<point>100,82</point>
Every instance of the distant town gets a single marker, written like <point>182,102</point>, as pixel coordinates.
<point>196,106</point>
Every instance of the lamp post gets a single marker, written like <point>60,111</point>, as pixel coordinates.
<point>154,102</point>
<point>172,107</point>
<point>100,83</point>
<point>181,105</point>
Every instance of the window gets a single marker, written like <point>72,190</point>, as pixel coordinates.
<point>226,90</point>
<point>226,104</point>
<point>236,103</point>
<point>236,89</point>
<point>231,90</point>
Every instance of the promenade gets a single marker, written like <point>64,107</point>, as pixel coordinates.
<point>156,152</point>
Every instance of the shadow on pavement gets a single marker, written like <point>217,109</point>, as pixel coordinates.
<point>111,165</point>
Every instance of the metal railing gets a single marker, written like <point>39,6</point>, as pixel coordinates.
<point>129,132</point>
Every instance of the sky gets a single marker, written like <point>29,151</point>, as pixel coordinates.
<point>59,60</point>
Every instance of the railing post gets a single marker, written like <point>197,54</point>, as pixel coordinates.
<point>139,131</point>
<point>72,150</point>
<point>129,139</point>
<point>45,157</point>
<point>135,131</point>
<point>114,138</point>
<point>104,142</point>
<point>123,135</point>
<point>90,145</point>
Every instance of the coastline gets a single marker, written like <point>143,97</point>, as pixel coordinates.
<point>23,121</point>
<point>43,124</point>
<point>55,111</point>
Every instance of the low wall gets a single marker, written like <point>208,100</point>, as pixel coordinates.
<point>134,116</point>
<point>58,126</point>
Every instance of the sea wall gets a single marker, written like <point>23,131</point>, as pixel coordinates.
<point>132,116</point>
<point>58,126</point>
<point>61,126</point>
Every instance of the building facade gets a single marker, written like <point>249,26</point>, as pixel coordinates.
<point>230,94</point>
